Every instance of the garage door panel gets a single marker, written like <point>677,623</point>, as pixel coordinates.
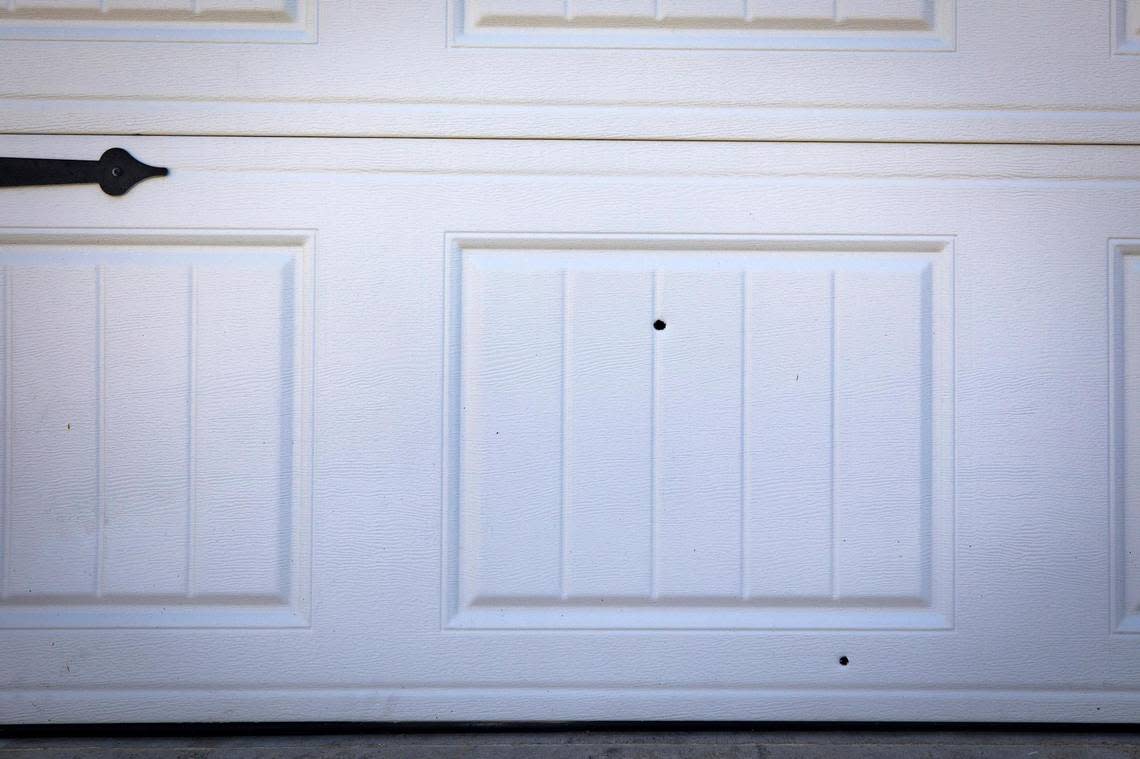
<point>874,494</point>
<point>883,367</point>
<point>155,430</point>
<point>917,70</point>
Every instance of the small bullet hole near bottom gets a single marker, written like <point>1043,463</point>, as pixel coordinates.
<point>658,325</point>
<point>844,661</point>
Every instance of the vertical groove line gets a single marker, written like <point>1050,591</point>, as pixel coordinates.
<point>653,445</point>
<point>1117,449</point>
<point>191,431</point>
<point>1114,326</point>
<point>100,423</point>
<point>567,10</point>
<point>831,444</point>
<point>927,428</point>
<point>745,372</point>
<point>449,443</point>
<point>6,488</point>
<point>747,11</point>
<point>565,425</point>
<point>658,9</point>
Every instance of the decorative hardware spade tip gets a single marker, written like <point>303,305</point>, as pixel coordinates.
<point>116,172</point>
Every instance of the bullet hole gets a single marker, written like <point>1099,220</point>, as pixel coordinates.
<point>658,325</point>
<point>844,661</point>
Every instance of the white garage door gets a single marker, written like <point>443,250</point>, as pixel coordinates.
<point>348,429</point>
<point>929,70</point>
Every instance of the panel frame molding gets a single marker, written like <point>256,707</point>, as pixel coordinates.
<point>935,612</point>
<point>292,609</point>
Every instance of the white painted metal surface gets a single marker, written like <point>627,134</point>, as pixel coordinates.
<point>342,429</point>
<point>884,70</point>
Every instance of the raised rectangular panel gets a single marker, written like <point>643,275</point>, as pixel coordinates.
<point>1126,26</point>
<point>779,456</point>
<point>1124,358</point>
<point>704,24</point>
<point>160,20</point>
<point>155,419</point>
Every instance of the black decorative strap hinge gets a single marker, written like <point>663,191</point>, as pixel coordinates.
<point>116,172</point>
